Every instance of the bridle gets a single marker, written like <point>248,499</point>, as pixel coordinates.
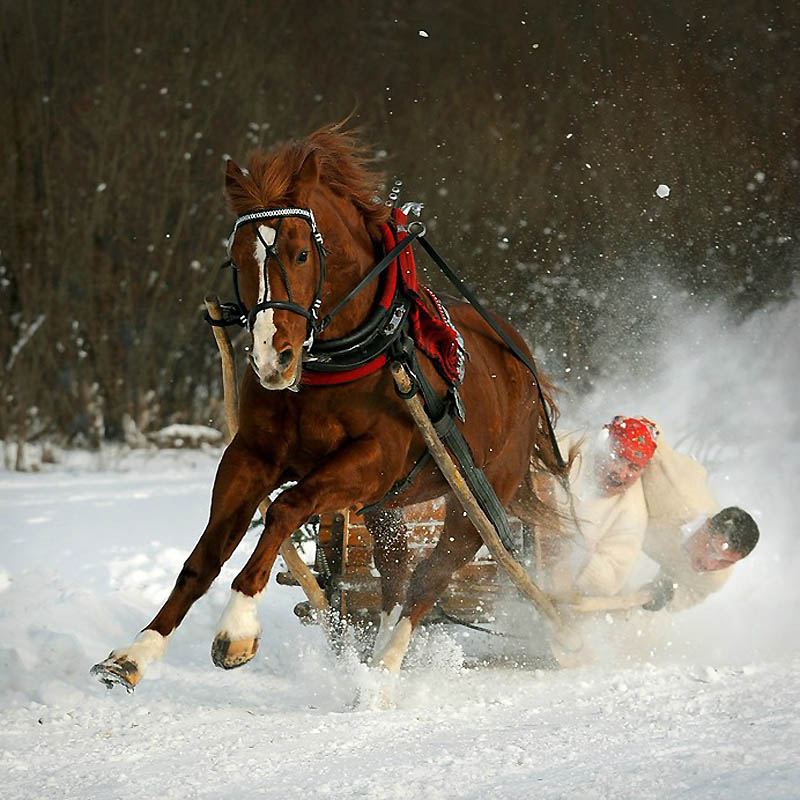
<point>247,317</point>
<point>238,313</point>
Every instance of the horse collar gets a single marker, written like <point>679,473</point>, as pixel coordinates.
<point>362,351</point>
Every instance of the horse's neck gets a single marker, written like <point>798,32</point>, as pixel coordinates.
<point>351,260</point>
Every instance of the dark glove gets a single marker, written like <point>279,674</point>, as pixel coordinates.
<point>662,590</point>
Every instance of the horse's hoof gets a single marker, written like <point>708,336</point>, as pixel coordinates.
<point>229,654</point>
<point>377,695</point>
<point>119,670</point>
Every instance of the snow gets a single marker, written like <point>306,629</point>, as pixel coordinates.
<point>181,435</point>
<point>707,707</point>
<point>662,190</point>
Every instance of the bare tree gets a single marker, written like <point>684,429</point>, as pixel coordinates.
<point>536,136</point>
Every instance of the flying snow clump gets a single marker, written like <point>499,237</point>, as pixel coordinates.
<point>663,190</point>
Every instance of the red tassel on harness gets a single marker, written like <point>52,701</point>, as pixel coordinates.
<point>429,329</point>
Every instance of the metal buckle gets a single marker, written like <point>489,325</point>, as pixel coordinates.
<point>394,194</point>
<point>412,208</point>
<point>394,322</point>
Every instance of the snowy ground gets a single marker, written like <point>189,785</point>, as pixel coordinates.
<point>711,710</point>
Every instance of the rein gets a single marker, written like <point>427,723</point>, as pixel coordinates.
<point>369,277</point>
<point>470,297</point>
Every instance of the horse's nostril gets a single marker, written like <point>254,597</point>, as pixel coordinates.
<point>285,357</point>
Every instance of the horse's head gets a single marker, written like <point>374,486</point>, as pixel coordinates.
<point>279,262</point>
<point>277,252</point>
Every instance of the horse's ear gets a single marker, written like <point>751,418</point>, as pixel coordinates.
<point>233,176</point>
<point>308,175</point>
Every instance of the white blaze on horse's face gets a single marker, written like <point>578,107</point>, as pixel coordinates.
<point>265,356</point>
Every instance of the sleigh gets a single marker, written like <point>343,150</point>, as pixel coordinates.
<point>344,567</point>
<point>479,594</point>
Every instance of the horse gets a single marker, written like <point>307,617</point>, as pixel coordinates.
<point>339,445</point>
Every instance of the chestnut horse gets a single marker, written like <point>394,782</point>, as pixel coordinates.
<point>344,445</point>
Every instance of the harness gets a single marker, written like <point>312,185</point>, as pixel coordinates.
<point>330,361</point>
<point>386,334</point>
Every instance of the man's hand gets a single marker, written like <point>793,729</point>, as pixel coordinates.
<point>661,590</point>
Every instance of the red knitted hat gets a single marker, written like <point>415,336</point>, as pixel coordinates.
<point>633,438</point>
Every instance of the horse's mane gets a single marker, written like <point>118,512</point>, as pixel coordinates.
<point>344,168</point>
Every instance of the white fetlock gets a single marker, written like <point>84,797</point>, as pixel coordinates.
<point>238,631</point>
<point>127,665</point>
<point>385,630</point>
<point>392,655</point>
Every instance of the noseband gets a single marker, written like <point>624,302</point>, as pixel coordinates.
<point>247,317</point>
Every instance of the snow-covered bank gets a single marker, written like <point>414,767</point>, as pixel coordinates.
<point>88,556</point>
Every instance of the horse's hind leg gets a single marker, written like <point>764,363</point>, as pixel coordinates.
<point>390,549</point>
<point>457,545</point>
<point>241,482</point>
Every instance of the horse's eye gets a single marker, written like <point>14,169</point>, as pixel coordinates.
<point>302,257</point>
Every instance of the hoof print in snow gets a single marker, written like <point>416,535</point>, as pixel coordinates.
<point>229,654</point>
<point>121,671</point>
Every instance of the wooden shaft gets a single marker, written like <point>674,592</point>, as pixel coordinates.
<point>476,515</point>
<point>230,386</point>
<point>591,605</point>
<point>304,576</point>
<point>230,390</point>
<point>300,571</point>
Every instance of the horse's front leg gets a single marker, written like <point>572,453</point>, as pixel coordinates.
<point>242,481</point>
<point>355,472</point>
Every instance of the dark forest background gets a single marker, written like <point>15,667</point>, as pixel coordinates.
<point>535,133</point>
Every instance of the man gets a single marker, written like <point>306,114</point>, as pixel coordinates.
<point>631,493</point>
<point>604,518</point>
<point>588,544</point>
<point>693,542</point>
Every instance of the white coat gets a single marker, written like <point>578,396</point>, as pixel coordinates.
<point>604,534</point>
<point>676,492</point>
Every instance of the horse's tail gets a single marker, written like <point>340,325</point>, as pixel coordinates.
<point>536,502</point>
<point>545,456</point>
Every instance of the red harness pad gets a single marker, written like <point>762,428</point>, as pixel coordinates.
<point>431,330</point>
